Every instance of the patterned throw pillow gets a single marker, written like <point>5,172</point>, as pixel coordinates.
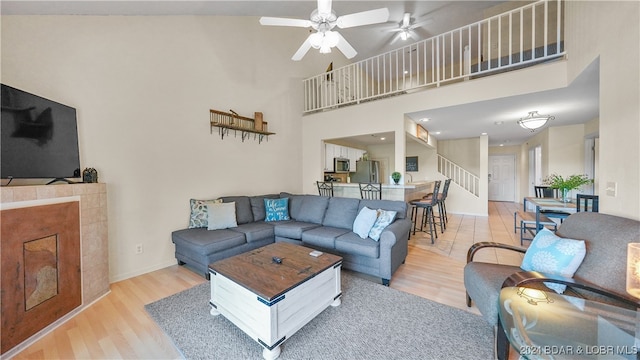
<point>221,216</point>
<point>198,218</point>
<point>276,209</point>
<point>364,222</point>
<point>385,217</point>
<point>551,254</point>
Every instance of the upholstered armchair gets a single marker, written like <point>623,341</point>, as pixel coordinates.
<point>601,275</point>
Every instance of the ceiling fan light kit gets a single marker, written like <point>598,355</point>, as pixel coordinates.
<point>534,121</point>
<point>323,20</point>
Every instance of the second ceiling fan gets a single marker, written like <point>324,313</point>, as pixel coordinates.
<point>323,20</point>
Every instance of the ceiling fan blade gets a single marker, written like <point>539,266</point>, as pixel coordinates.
<point>344,46</point>
<point>302,51</point>
<point>363,18</point>
<point>420,24</point>
<point>395,38</point>
<point>274,21</point>
<point>324,7</point>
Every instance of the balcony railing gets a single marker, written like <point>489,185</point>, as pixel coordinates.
<point>522,37</point>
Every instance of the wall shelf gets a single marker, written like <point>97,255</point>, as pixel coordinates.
<point>227,122</point>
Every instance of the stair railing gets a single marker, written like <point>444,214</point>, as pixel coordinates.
<point>521,37</point>
<point>459,175</point>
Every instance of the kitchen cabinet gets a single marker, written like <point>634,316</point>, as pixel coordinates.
<point>332,151</point>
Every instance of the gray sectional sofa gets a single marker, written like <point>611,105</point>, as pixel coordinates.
<point>318,222</point>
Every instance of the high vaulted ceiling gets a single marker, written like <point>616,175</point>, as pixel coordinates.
<point>577,103</point>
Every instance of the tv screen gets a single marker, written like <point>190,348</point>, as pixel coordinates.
<point>39,137</point>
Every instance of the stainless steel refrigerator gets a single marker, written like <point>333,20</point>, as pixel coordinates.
<point>367,171</point>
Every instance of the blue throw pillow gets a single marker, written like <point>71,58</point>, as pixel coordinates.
<point>276,209</point>
<point>385,217</point>
<point>551,254</point>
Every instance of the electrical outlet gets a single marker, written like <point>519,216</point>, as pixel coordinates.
<point>139,249</point>
<point>612,188</point>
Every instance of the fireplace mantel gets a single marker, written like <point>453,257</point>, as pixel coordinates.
<point>93,235</point>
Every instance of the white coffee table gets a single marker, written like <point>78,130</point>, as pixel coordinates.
<point>270,301</point>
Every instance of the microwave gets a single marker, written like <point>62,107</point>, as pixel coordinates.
<point>340,165</point>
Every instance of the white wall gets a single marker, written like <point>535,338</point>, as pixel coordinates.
<point>610,30</point>
<point>143,87</point>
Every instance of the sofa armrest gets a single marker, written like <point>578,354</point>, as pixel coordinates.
<point>522,278</point>
<point>488,244</point>
<point>395,231</point>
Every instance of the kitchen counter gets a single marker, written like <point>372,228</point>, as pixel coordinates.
<point>404,192</point>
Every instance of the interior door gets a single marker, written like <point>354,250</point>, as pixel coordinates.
<point>502,177</point>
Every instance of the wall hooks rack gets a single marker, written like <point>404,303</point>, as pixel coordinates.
<point>231,121</point>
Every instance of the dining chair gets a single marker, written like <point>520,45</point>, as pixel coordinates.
<point>371,191</point>
<point>587,203</point>
<point>325,188</point>
<point>547,192</point>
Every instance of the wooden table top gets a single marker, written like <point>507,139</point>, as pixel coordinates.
<point>256,271</point>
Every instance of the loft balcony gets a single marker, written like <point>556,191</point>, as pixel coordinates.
<point>526,36</point>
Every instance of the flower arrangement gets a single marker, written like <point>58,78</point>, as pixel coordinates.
<point>556,181</point>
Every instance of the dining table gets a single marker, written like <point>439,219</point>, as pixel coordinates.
<point>548,204</point>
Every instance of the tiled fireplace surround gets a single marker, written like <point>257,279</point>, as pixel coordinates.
<point>93,231</point>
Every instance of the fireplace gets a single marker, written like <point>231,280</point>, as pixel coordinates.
<point>41,268</point>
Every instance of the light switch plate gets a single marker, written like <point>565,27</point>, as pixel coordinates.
<point>612,188</point>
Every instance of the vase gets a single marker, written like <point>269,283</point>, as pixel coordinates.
<point>396,181</point>
<point>565,195</point>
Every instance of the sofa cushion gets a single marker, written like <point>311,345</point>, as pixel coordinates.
<point>313,209</point>
<point>364,222</point>
<point>322,236</point>
<point>243,208</point>
<point>199,216</point>
<point>385,217</point>
<point>206,242</point>
<point>221,216</point>
<point>399,206</point>
<point>350,243</point>
<point>341,212</point>
<point>295,204</point>
<point>276,209</point>
<point>551,254</point>
<point>257,205</point>
<point>256,231</point>
<point>292,229</point>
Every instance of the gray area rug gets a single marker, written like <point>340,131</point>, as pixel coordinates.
<point>373,322</point>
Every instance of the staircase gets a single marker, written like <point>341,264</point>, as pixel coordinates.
<point>459,175</point>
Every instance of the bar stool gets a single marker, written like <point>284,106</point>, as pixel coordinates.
<point>442,206</point>
<point>427,217</point>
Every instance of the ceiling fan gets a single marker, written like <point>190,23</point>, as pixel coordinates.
<point>405,29</point>
<point>323,20</point>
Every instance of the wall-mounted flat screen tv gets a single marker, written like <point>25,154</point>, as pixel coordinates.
<point>39,137</point>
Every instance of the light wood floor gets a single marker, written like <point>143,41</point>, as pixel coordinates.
<point>117,326</point>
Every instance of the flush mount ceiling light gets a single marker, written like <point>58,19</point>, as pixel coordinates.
<point>534,120</point>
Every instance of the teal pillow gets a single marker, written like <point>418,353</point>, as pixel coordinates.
<point>276,209</point>
<point>385,217</point>
<point>551,254</point>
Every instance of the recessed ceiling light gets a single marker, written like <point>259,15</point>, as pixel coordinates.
<point>438,132</point>
<point>501,144</point>
<point>424,119</point>
<point>499,122</point>
<point>382,138</point>
<point>483,134</point>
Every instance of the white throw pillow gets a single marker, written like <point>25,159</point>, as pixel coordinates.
<point>364,222</point>
<point>385,217</point>
<point>551,254</point>
<point>221,216</point>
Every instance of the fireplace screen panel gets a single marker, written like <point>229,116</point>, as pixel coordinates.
<point>40,268</point>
